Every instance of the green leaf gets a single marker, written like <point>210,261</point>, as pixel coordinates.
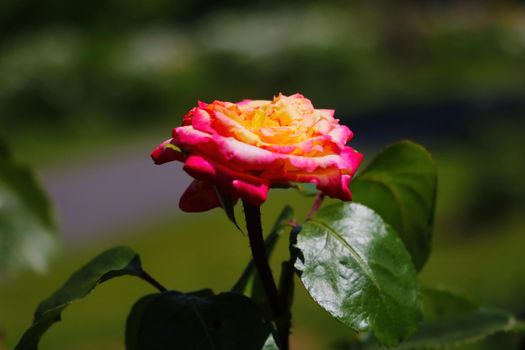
<point>462,329</point>
<point>358,270</point>
<point>440,303</point>
<point>245,282</point>
<point>28,235</point>
<point>174,320</point>
<point>111,263</point>
<point>452,320</point>
<point>400,185</point>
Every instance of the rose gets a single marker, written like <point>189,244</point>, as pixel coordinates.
<point>245,148</point>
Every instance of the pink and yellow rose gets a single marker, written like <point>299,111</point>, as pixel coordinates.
<point>246,148</point>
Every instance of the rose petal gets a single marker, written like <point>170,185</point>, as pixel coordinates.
<point>245,157</point>
<point>166,152</point>
<point>202,121</point>
<point>247,147</point>
<point>199,196</point>
<point>340,136</point>
<point>229,127</point>
<point>250,188</point>
<point>255,194</point>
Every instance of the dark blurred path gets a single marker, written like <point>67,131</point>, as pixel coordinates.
<point>113,193</point>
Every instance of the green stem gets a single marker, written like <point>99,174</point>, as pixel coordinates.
<point>316,205</point>
<point>255,235</point>
<point>146,277</point>
<point>286,284</point>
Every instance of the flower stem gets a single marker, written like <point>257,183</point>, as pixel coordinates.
<point>316,205</point>
<point>146,277</point>
<point>255,235</point>
<point>286,284</point>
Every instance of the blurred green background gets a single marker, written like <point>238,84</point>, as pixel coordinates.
<point>82,81</point>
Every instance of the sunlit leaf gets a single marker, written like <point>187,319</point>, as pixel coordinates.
<point>356,267</point>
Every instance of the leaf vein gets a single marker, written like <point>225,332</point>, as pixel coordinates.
<point>360,261</point>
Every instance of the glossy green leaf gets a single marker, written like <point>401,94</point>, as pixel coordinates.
<point>356,267</point>
<point>245,282</point>
<point>28,235</point>
<point>400,185</point>
<point>174,320</point>
<point>111,263</point>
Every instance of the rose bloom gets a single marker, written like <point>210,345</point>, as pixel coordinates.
<point>243,149</point>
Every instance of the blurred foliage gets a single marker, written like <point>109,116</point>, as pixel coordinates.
<point>28,234</point>
<point>95,67</point>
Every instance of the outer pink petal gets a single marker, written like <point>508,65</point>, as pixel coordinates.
<point>311,164</point>
<point>189,138</point>
<point>199,196</point>
<point>352,157</point>
<point>201,121</point>
<point>337,187</point>
<point>330,182</point>
<point>166,152</point>
<point>327,113</point>
<point>255,194</point>
<point>340,136</point>
<point>243,102</point>
<point>248,187</point>
<point>242,156</point>
<point>245,157</point>
<point>211,171</point>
